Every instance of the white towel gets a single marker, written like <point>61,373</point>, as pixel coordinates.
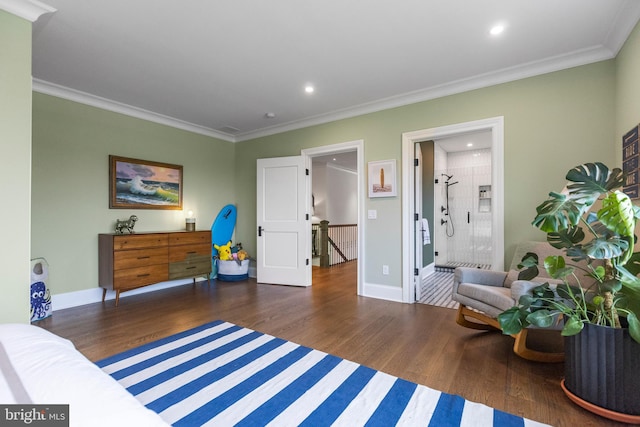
<point>426,237</point>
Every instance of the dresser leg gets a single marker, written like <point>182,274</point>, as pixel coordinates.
<point>104,293</point>
<point>117,297</point>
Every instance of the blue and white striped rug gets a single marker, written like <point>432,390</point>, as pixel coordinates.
<point>221,374</point>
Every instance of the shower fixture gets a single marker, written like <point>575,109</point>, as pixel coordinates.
<point>450,230</point>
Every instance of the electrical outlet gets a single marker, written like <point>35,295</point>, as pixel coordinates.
<point>385,269</point>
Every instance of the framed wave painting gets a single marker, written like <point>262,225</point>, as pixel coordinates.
<point>141,184</point>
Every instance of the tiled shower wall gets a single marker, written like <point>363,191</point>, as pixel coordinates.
<point>466,237</point>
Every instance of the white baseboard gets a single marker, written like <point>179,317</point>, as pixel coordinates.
<point>89,296</point>
<point>389,293</point>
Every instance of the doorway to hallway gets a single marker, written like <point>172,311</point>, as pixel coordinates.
<point>335,165</point>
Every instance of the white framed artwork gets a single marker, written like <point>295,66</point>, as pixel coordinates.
<point>382,178</point>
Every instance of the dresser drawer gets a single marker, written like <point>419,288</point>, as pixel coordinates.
<point>139,258</point>
<point>195,267</point>
<point>135,277</point>
<point>186,252</point>
<point>138,241</point>
<point>130,261</point>
<point>190,238</point>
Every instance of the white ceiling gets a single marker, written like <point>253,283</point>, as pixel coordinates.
<point>344,160</point>
<point>217,67</point>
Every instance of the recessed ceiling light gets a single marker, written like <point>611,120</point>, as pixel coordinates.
<point>496,29</point>
<point>309,89</point>
<point>269,115</point>
<point>470,144</point>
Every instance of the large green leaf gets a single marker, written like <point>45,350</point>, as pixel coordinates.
<point>590,180</point>
<point>633,264</point>
<point>558,213</point>
<point>512,320</point>
<point>630,283</point>
<point>605,248</point>
<point>542,318</point>
<point>543,291</point>
<point>612,286</point>
<point>572,326</point>
<point>529,263</point>
<point>566,238</point>
<point>634,326</point>
<point>577,254</point>
<point>617,214</point>
<point>553,264</point>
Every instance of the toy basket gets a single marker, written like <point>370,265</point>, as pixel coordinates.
<point>232,271</point>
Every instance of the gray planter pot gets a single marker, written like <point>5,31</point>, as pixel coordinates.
<point>602,367</point>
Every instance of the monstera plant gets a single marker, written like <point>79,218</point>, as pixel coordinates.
<point>597,284</point>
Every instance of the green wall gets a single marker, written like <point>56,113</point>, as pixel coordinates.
<point>627,88</point>
<point>552,123</point>
<point>15,174</point>
<point>71,147</point>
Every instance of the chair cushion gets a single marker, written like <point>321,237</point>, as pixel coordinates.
<point>500,298</point>
<point>512,276</point>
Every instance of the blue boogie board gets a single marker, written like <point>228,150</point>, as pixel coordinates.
<point>221,231</point>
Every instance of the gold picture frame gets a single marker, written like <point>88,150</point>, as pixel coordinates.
<point>143,184</point>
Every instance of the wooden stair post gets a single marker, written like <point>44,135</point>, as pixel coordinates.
<point>324,243</point>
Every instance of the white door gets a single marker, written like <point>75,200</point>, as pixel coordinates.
<point>417,225</point>
<point>284,226</point>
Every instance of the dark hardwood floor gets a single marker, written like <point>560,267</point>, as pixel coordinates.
<point>416,342</point>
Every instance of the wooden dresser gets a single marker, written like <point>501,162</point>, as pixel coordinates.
<point>130,261</point>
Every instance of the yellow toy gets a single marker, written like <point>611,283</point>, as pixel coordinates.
<point>224,251</point>
<point>242,255</point>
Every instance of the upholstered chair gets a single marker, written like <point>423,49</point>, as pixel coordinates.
<point>484,294</point>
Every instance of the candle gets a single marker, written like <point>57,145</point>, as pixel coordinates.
<point>190,222</point>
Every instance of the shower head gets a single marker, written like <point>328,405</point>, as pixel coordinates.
<point>448,176</point>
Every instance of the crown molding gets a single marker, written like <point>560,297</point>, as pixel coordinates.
<point>625,21</point>
<point>531,69</point>
<point>615,41</point>
<point>64,92</point>
<point>574,59</point>
<point>30,10</point>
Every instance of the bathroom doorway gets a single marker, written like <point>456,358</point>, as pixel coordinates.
<point>462,200</point>
<point>495,128</point>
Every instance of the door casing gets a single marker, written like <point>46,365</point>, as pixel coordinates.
<point>496,126</point>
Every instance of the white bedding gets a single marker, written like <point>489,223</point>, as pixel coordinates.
<point>49,370</point>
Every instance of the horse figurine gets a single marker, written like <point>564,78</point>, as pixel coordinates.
<point>122,225</point>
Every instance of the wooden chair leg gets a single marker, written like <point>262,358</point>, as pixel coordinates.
<point>461,319</point>
<point>519,346</point>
